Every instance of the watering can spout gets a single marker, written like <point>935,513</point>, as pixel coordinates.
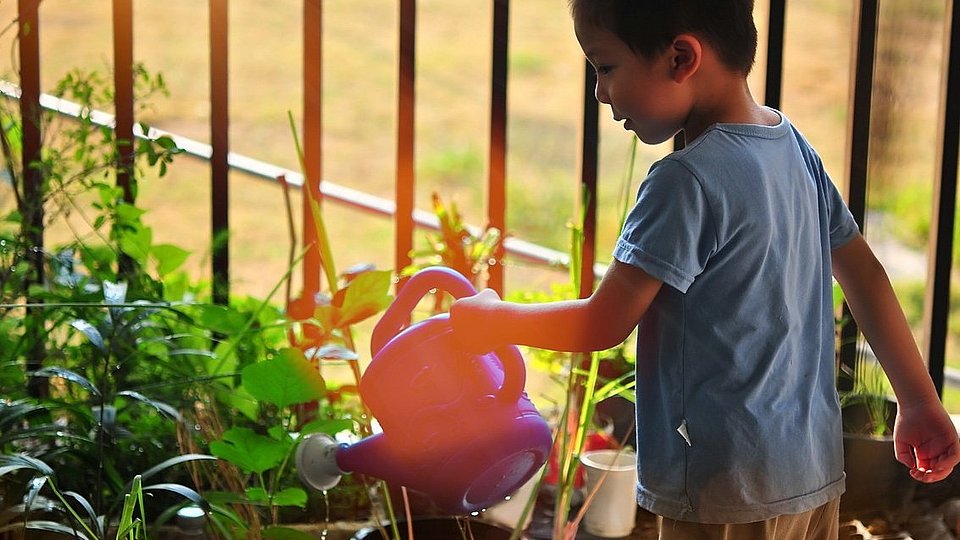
<point>456,426</point>
<point>322,461</point>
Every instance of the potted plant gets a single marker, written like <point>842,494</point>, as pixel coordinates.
<point>875,480</point>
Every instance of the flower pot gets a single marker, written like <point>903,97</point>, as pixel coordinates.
<point>612,513</point>
<point>876,481</point>
<point>442,528</point>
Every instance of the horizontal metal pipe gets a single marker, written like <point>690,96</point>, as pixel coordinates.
<point>515,247</point>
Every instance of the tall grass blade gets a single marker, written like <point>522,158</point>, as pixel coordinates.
<point>85,504</point>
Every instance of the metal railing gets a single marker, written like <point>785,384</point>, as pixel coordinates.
<point>406,217</point>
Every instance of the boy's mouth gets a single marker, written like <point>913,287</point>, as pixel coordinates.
<point>619,118</point>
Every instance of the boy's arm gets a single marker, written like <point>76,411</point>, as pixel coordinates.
<point>483,322</point>
<point>925,437</point>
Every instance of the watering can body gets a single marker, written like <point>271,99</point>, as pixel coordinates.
<point>457,426</point>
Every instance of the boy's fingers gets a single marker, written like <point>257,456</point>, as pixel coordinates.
<point>932,461</point>
<point>905,454</point>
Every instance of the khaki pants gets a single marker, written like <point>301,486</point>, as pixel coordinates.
<point>821,523</point>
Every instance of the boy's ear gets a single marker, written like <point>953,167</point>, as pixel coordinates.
<point>686,53</point>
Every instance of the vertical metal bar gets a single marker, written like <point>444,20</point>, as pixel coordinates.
<point>123,105</point>
<point>33,190</point>
<point>123,95</point>
<point>497,181</point>
<point>937,306</point>
<point>589,150</point>
<point>312,139</point>
<point>405,134</point>
<point>220,142</point>
<point>776,29</point>
<point>858,151</point>
<point>861,104</point>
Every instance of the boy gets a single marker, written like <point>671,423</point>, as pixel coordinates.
<point>725,263</point>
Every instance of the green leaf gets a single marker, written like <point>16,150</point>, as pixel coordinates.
<point>258,494</point>
<point>284,380</point>
<point>223,497</point>
<point>220,319</point>
<point>181,490</point>
<point>43,525</point>
<point>91,332</point>
<point>136,243</point>
<point>129,505</point>
<point>176,460</point>
<point>128,214</point>
<point>167,410</point>
<point>248,450</point>
<point>367,295</point>
<point>291,497</point>
<point>67,375</point>
<point>330,427</point>
<point>239,399</point>
<point>168,257</point>
<point>88,508</point>
<point>18,462</point>
<point>285,533</point>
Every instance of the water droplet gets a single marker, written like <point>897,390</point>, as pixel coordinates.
<point>196,427</point>
<point>507,498</point>
<point>474,514</point>
<point>326,519</point>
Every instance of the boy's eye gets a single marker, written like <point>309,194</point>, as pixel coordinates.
<point>603,70</point>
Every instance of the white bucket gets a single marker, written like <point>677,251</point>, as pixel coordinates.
<point>613,511</point>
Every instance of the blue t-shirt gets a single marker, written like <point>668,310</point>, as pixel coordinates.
<point>738,418</point>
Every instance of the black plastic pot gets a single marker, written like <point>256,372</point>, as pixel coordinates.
<point>442,528</point>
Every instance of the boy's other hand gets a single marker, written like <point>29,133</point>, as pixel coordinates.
<point>472,327</point>
<point>926,441</point>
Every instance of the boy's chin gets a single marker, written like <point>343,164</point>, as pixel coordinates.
<point>654,138</point>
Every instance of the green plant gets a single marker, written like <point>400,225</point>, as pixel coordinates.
<point>77,166</point>
<point>283,382</point>
<point>280,392</point>
<point>867,387</point>
<point>457,246</point>
<point>78,516</point>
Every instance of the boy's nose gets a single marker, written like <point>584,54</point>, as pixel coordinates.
<point>601,93</point>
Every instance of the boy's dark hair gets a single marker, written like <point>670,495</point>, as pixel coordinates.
<point>649,26</point>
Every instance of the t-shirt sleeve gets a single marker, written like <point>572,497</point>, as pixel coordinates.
<point>842,225</point>
<point>670,232</point>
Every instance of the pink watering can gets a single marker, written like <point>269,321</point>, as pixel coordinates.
<point>457,426</point>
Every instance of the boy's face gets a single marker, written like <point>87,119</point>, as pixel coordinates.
<point>641,91</point>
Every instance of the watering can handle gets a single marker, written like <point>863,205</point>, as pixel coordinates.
<point>396,317</point>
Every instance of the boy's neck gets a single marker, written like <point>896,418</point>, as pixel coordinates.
<point>725,99</point>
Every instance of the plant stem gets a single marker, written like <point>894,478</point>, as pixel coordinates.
<point>69,508</point>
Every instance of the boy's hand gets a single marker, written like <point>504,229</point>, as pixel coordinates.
<point>471,328</point>
<point>926,441</point>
